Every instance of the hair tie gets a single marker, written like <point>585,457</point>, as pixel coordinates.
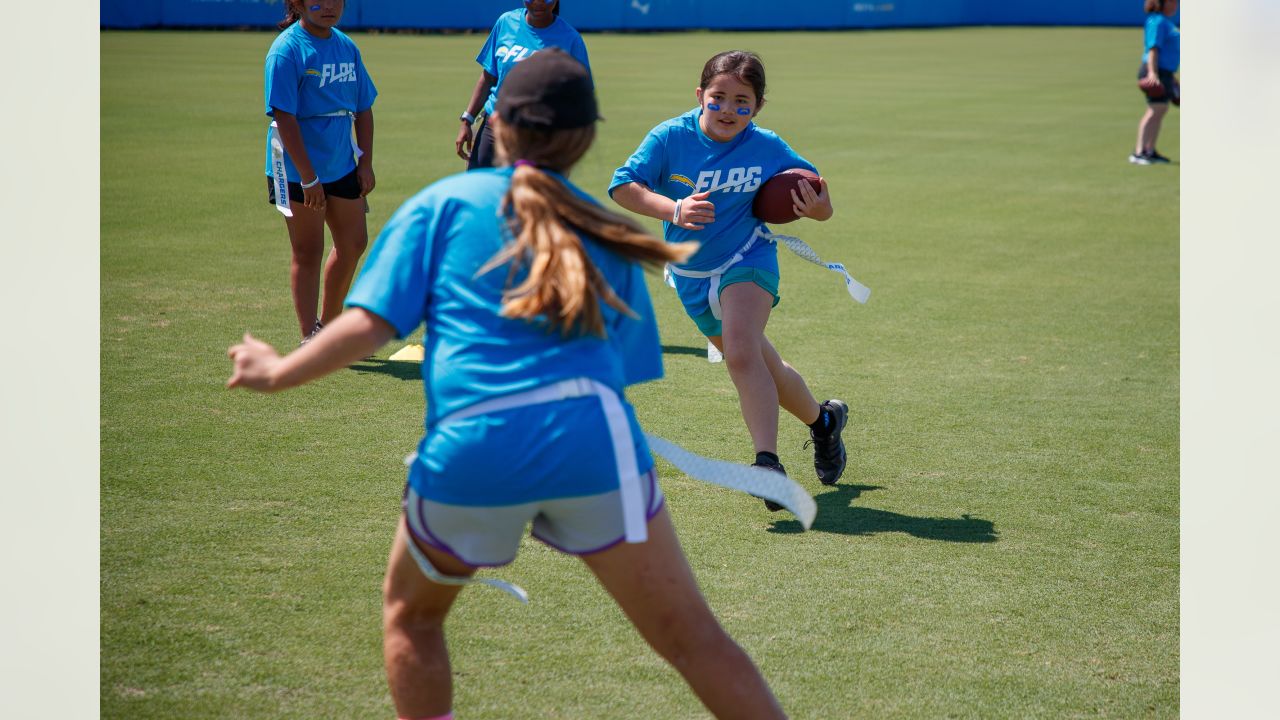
<point>524,163</point>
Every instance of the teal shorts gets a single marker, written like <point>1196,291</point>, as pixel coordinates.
<point>706,320</point>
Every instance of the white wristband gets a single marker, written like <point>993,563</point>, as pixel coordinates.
<point>313,183</point>
<point>675,216</point>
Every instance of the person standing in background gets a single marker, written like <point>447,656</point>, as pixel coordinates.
<point>317,90</point>
<point>1162,51</point>
<point>515,36</point>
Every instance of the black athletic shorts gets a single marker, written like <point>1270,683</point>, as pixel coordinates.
<point>346,187</point>
<point>483,152</point>
<point>1166,81</point>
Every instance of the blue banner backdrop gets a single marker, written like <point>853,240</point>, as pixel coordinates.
<point>638,14</point>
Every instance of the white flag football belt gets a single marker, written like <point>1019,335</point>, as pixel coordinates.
<point>766,484</point>
<point>279,179</point>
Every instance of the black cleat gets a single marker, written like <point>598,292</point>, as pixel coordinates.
<point>776,467</point>
<point>314,330</point>
<point>828,450</point>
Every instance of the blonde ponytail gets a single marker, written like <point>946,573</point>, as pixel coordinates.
<point>563,284</point>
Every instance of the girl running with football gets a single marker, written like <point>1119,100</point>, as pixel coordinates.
<point>515,36</point>
<point>698,173</point>
<point>537,319</point>
<point>317,90</point>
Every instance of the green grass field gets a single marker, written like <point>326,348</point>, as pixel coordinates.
<point>1004,543</point>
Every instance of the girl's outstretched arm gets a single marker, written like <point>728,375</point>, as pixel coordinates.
<point>357,333</point>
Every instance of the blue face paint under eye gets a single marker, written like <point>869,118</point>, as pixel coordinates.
<point>315,8</point>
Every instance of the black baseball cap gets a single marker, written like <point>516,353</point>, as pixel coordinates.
<point>549,90</point>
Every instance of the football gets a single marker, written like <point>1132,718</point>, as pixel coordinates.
<point>773,203</point>
<point>1155,92</point>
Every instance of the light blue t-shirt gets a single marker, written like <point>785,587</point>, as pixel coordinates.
<point>676,159</point>
<point>422,268</point>
<point>310,78</point>
<point>512,40</point>
<point>1160,33</point>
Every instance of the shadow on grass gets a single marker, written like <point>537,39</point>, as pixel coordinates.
<point>403,369</point>
<point>682,350</point>
<point>836,515</point>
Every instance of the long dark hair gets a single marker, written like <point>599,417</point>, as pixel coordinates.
<point>291,15</point>
<point>744,65</point>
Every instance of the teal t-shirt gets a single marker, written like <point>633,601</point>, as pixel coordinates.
<point>319,81</point>
<point>513,39</point>
<point>676,159</point>
<point>1162,34</point>
<point>423,269</point>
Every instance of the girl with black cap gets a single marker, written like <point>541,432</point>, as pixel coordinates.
<point>537,319</point>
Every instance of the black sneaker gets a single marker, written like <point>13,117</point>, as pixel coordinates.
<point>1155,157</point>
<point>828,450</point>
<point>314,329</point>
<point>776,467</point>
<point>1137,159</point>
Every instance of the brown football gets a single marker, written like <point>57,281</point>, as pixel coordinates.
<point>773,203</point>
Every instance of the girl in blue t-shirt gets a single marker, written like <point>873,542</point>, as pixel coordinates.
<point>1162,50</point>
<point>698,173</point>
<point>317,90</point>
<point>515,36</point>
<point>537,318</point>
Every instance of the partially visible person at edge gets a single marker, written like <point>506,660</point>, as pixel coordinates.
<point>1160,58</point>
<point>515,36</point>
<point>317,89</point>
<point>527,286</point>
<point>699,173</point>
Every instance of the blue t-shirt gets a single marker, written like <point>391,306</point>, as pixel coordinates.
<point>422,268</point>
<point>676,159</point>
<point>1160,33</point>
<point>320,81</point>
<point>512,40</point>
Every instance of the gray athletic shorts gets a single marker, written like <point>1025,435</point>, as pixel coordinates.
<point>489,536</point>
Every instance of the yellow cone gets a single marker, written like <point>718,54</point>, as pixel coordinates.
<point>409,353</point>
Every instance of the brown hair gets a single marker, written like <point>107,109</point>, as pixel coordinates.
<point>291,15</point>
<point>744,65</point>
<point>1150,6</point>
<point>563,284</point>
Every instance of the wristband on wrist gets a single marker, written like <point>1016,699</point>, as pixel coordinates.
<point>675,216</point>
<point>313,183</point>
<point>467,117</point>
